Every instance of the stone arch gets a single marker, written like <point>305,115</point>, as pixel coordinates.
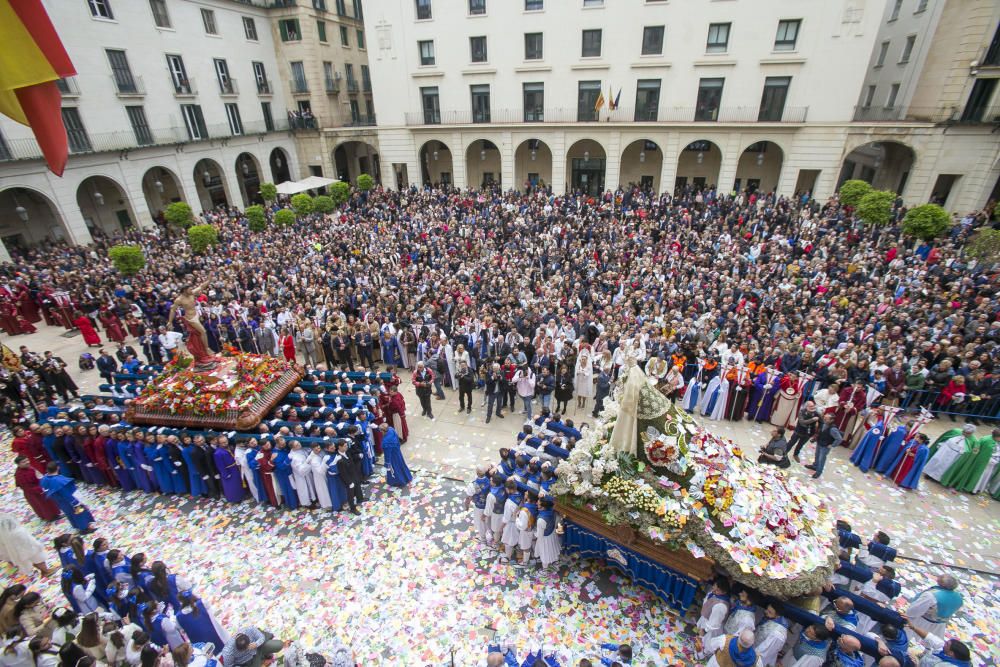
<point>28,217</point>
<point>105,206</point>
<point>759,167</point>
<point>698,165</point>
<point>354,157</point>
<point>281,166</point>
<point>161,187</point>
<point>210,183</point>
<point>532,164</point>
<point>483,164</point>
<point>436,163</point>
<point>641,164</point>
<point>586,166</point>
<point>248,175</point>
<point>886,165</point>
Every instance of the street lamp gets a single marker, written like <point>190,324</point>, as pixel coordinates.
<point>701,157</point>
<point>642,156</point>
<point>760,158</point>
<point>98,198</point>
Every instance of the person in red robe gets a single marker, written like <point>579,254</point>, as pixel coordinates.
<point>395,413</point>
<point>9,320</point>
<point>853,400</point>
<point>377,418</point>
<point>112,325</point>
<point>37,455</point>
<point>90,336</point>
<point>97,455</point>
<point>26,479</point>
<point>288,346</point>
<point>26,304</point>
<point>266,461</point>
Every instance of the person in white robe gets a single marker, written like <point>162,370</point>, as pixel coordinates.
<point>771,634</point>
<point>479,519</point>
<point>20,547</point>
<point>871,592</point>
<point>948,452</point>
<point>745,642</point>
<point>583,381</point>
<point>316,461</point>
<point>548,540</point>
<point>941,652</point>
<point>302,477</point>
<point>713,611</point>
<point>719,409</point>
<point>743,615</point>
<point>240,454</point>
<point>811,647</point>
<point>509,535</point>
<point>714,385</point>
<point>991,466</point>
<point>449,357</point>
<point>525,522</point>
<point>932,610</point>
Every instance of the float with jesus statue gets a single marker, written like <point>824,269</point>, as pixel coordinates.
<point>230,392</point>
<point>670,503</point>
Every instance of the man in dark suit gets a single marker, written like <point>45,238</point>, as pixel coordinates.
<point>349,467</point>
<point>106,366</point>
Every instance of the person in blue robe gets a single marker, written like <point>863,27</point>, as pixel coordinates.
<point>162,466</point>
<point>199,623</point>
<point>118,465</point>
<point>361,442</point>
<point>55,454</point>
<point>390,351</point>
<point>890,449</point>
<point>396,471</point>
<point>908,467</point>
<point>101,575</point>
<point>195,480</point>
<point>334,485</point>
<point>864,454</point>
<point>75,450</point>
<point>283,473</point>
<point>254,465</point>
<point>142,469</point>
<point>61,490</point>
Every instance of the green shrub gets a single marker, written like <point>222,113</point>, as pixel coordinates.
<point>323,204</point>
<point>875,208</point>
<point>256,218</point>
<point>268,191</point>
<point>365,182</point>
<point>340,192</point>
<point>984,245</point>
<point>179,214</point>
<point>128,259</point>
<point>852,191</point>
<point>302,204</point>
<point>926,222</point>
<point>284,218</point>
<point>202,236</point>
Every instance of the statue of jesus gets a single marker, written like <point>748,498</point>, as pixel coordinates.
<point>197,343</point>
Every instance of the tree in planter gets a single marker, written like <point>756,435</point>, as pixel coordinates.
<point>268,191</point>
<point>179,214</point>
<point>302,204</point>
<point>340,192</point>
<point>365,182</point>
<point>984,245</point>
<point>284,218</point>
<point>256,218</point>
<point>323,204</point>
<point>875,208</point>
<point>926,222</point>
<point>128,259</point>
<point>851,192</point>
<point>202,236</point>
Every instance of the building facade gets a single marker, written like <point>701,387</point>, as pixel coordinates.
<point>593,94</point>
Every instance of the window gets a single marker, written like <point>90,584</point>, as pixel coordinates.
<point>360,36</point>
<point>75,134</point>
<point>979,101</point>
<point>534,5</point>
<point>718,38</point>
<point>477,49</point>
<point>366,79</point>
<point>160,17</point>
<point>647,99</point>
<point>355,112</point>
<point>194,120</point>
<point>652,40</point>
<point>921,6</point>
<point>289,30</point>
<point>250,28</point>
<point>370,111</point>
<point>178,75</point>
<point>431,105</point>
<point>426,49</point>
<point>265,111</point>
<point>532,46</point>
<point>534,102</point>
<point>137,117</point>
<point>992,56</point>
<point>299,83</point>
<point>341,8</point>
<point>423,9</point>
<point>321,30</point>
<point>480,103</point>
<point>890,102</point>
<point>345,39</point>
<point>101,9</point>
<point>4,149</point>
<point>477,7</point>
<point>593,3</point>
<point>124,80</point>
<point>869,96</point>
<point>358,13</point>
<point>591,44</point>
<point>883,51</point>
<point>772,102</point>
<point>320,5</point>
<point>895,10</point>
<point>788,34</point>
<point>709,99</point>
<point>908,49</point>
<point>226,84</point>
<point>586,100</point>
<point>328,77</point>
<point>235,122</point>
<point>208,20</point>
<point>352,83</point>
<point>260,78</point>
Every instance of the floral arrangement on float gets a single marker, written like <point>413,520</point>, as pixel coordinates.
<point>646,464</point>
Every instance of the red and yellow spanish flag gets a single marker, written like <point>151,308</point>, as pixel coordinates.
<point>32,59</point>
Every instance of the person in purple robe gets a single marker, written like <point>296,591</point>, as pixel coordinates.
<point>891,447</point>
<point>229,470</point>
<point>117,465</point>
<point>762,393</point>
<point>143,467</point>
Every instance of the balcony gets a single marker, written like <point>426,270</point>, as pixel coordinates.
<point>127,85</point>
<point>332,85</point>
<point>901,114</point>
<point>366,85</point>
<point>298,120</point>
<point>360,121</point>
<point>300,87</point>
<point>352,85</point>
<point>620,115</point>
<point>183,87</point>
<point>124,140</point>
<point>264,87</point>
<point>228,88</point>
<point>68,87</point>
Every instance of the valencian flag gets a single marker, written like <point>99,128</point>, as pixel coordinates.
<point>599,104</point>
<point>32,59</point>
<point>10,361</point>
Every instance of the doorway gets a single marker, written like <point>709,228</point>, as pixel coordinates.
<point>588,175</point>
